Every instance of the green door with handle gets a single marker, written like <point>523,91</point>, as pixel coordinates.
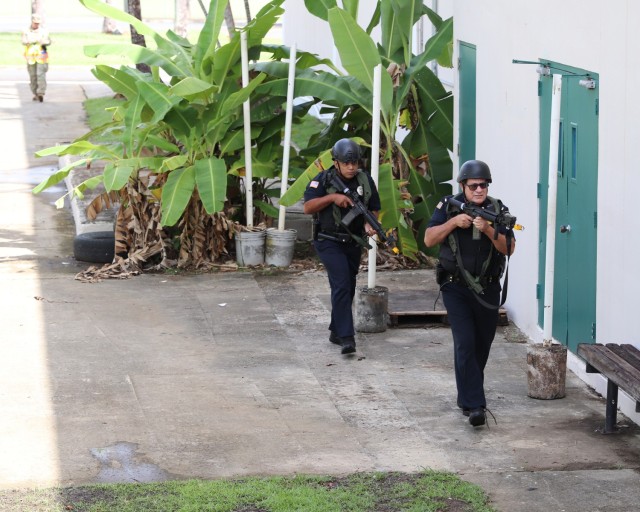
<point>574,300</point>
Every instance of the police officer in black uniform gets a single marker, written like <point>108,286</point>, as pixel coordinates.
<point>340,247</point>
<point>471,262</point>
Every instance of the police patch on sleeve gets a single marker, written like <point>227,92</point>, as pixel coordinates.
<point>314,184</point>
<point>439,205</point>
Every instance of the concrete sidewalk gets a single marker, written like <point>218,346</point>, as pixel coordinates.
<point>231,374</point>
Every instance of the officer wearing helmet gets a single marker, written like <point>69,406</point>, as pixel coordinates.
<point>339,247</point>
<point>471,262</point>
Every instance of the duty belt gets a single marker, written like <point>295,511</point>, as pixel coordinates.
<point>448,277</point>
<point>336,236</point>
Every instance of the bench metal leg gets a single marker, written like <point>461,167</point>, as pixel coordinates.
<point>612,408</point>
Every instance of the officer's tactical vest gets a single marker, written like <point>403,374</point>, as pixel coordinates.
<point>363,181</point>
<point>449,251</point>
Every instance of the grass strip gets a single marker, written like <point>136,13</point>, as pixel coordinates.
<point>427,491</point>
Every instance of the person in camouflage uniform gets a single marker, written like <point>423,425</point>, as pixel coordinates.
<point>35,41</point>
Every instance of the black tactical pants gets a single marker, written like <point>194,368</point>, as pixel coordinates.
<point>342,261</point>
<point>473,327</point>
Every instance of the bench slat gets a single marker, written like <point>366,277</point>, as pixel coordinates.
<point>612,366</point>
<point>627,352</point>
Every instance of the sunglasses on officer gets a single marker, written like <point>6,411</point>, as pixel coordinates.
<point>474,186</point>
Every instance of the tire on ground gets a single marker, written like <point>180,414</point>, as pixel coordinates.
<point>94,247</point>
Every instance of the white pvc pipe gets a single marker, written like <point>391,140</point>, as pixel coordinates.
<point>554,140</point>
<point>375,161</point>
<point>287,133</point>
<point>246,109</point>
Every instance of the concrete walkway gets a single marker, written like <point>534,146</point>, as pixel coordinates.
<point>231,374</point>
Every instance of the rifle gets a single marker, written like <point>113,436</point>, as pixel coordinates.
<point>504,219</point>
<point>358,209</point>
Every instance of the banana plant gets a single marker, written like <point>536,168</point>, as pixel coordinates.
<point>412,172</point>
<point>183,124</point>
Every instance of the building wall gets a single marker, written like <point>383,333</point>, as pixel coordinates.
<point>588,35</point>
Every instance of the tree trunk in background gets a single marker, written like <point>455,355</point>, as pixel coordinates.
<point>228,19</point>
<point>133,8</point>
<point>182,17</point>
<point>108,25</point>
<point>37,6</point>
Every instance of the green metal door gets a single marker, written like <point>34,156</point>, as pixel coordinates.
<point>467,102</point>
<point>574,311</point>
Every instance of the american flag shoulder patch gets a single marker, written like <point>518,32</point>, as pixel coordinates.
<point>314,184</point>
<point>439,205</point>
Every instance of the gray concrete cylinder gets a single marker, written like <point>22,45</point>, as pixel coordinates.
<point>546,371</point>
<point>371,309</point>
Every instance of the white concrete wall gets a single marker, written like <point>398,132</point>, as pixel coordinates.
<point>586,34</point>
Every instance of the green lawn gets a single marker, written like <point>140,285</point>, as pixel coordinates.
<point>429,491</point>
<point>65,50</point>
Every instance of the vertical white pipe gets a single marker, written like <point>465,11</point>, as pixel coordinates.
<point>246,108</point>
<point>375,161</point>
<point>552,194</point>
<point>287,132</point>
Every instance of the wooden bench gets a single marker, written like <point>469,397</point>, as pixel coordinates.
<point>620,364</point>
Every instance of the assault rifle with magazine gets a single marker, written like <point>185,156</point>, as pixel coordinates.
<point>358,209</point>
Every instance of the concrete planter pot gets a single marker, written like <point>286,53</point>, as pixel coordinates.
<point>546,371</point>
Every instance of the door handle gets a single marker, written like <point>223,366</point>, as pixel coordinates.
<point>565,229</point>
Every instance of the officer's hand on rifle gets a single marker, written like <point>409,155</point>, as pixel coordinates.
<point>342,201</point>
<point>369,230</point>
<point>481,224</point>
<point>462,220</point>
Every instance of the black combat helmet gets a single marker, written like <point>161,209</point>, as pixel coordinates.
<point>474,169</point>
<point>345,151</point>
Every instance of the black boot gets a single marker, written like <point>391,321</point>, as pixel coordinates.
<point>477,417</point>
<point>348,345</point>
<point>334,339</point>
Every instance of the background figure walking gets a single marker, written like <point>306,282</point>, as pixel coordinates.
<point>35,41</point>
<point>338,246</point>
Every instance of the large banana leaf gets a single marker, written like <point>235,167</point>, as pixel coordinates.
<point>132,118</point>
<point>262,23</point>
<point>137,54</point>
<point>434,98</point>
<point>116,176</point>
<point>296,190</point>
<point>209,35</point>
<point>391,215</point>
<point>159,98</point>
<point>359,54</point>
<point>176,194</point>
<point>320,8</point>
<point>192,88</point>
<point>434,47</point>
<point>59,175</point>
<point>79,148</point>
<point>226,61</point>
<point>393,38</point>
<point>397,19</point>
<point>333,90</point>
<point>211,178</point>
<point>107,11</point>
<point>119,81</point>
